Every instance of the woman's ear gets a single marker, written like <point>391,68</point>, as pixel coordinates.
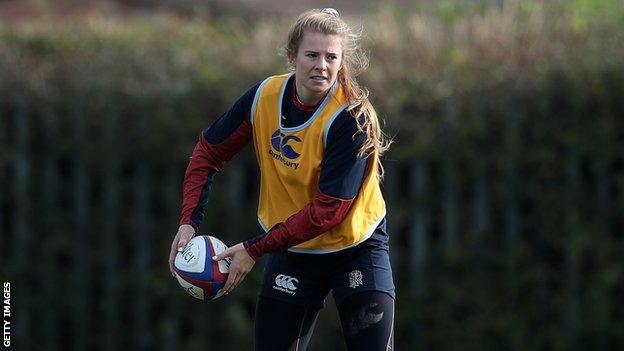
<point>292,58</point>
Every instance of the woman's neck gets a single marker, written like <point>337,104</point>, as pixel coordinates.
<point>306,97</point>
<point>300,104</point>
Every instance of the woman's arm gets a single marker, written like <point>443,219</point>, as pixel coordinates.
<point>216,145</point>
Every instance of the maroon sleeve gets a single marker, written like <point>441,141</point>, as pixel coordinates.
<point>317,217</point>
<point>206,160</point>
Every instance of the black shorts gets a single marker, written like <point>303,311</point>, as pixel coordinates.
<point>306,279</point>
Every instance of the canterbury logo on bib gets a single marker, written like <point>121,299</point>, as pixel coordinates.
<point>282,148</point>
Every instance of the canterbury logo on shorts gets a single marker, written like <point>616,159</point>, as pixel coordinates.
<point>286,283</point>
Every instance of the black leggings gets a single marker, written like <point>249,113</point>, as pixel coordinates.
<point>367,320</point>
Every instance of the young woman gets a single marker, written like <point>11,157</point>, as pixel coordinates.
<point>317,141</point>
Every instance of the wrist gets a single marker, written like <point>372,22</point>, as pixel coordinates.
<point>252,250</point>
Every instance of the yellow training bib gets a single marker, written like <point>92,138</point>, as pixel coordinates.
<point>290,164</point>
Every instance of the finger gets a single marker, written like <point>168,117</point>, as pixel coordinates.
<point>229,282</point>
<point>182,244</point>
<point>172,254</point>
<point>239,279</point>
<point>222,255</point>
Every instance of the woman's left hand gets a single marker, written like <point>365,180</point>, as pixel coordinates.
<point>241,264</point>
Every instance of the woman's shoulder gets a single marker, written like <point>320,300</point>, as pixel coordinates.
<point>274,79</point>
<point>250,93</point>
<point>347,119</point>
<point>344,126</point>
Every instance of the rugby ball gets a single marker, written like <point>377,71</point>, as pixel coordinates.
<point>195,270</point>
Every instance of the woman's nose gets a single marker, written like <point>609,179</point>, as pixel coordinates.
<point>321,64</point>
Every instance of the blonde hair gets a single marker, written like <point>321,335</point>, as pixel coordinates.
<point>354,61</point>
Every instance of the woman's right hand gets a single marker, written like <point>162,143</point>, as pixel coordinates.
<point>185,233</point>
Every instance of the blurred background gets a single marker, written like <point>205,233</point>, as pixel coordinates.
<point>503,187</point>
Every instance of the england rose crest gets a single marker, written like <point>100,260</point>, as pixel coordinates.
<point>355,279</point>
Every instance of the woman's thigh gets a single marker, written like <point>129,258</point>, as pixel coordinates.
<point>282,326</point>
<point>367,320</point>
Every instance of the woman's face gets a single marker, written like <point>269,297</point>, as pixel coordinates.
<point>316,65</point>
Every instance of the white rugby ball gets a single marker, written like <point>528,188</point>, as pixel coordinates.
<point>197,273</point>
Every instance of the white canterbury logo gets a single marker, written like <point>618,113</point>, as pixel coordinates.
<point>285,283</point>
